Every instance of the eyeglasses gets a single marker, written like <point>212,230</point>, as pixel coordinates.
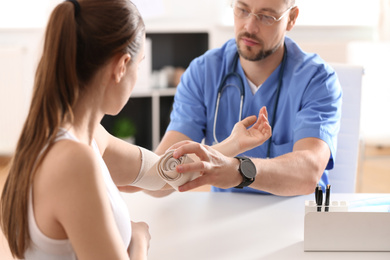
<point>264,19</point>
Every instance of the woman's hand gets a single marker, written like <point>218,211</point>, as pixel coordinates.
<point>249,138</point>
<point>140,239</point>
<point>243,138</point>
<point>215,168</point>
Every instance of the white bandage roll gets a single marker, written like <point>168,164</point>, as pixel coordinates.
<point>155,172</point>
<point>166,168</point>
<point>147,177</point>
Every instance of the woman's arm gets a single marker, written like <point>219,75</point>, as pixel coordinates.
<point>243,138</point>
<point>122,159</point>
<point>140,237</point>
<point>240,140</point>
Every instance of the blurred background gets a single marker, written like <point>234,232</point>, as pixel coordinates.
<point>340,31</point>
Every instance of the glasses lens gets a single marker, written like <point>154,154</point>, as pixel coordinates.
<point>240,13</point>
<point>265,19</point>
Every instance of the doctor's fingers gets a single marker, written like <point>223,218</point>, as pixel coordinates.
<point>201,151</point>
<point>207,170</point>
<point>222,174</point>
<point>198,182</point>
<point>197,166</point>
<point>178,144</point>
<point>211,178</point>
<point>208,179</point>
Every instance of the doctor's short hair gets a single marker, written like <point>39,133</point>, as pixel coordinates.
<point>288,2</point>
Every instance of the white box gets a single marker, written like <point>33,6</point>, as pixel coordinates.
<point>346,231</point>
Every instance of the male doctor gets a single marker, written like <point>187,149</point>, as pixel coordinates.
<point>304,115</point>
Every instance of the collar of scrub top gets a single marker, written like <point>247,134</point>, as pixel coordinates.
<point>241,87</point>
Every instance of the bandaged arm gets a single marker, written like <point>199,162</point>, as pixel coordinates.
<point>156,171</point>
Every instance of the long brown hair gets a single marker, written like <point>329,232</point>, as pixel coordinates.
<point>76,45</point>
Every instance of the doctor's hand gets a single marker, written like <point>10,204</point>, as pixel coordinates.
<point>215,168</point>
<point>244,136</point>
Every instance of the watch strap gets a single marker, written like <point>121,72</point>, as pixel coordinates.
<point>245,180</point>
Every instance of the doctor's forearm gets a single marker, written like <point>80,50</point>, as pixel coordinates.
<point>292,174</point>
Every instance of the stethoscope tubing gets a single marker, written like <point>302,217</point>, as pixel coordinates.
<point>216,114</point>
<point>221,86</point>
<point>242,94</point>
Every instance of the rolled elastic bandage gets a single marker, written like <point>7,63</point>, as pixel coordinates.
<point>166,169</point>
<point>155,172</point>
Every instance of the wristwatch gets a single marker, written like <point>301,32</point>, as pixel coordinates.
<point>247,170</point>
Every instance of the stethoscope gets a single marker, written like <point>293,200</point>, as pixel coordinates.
<point>241,88</point>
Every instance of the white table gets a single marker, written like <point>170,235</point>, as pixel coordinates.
<point>198,225</point>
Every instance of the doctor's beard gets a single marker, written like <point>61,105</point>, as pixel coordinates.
<point>247,52</point>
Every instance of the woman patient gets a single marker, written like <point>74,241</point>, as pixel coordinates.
<point>61,200</point>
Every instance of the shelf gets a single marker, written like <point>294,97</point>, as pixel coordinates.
<point>150,108</point>
<point>158,127</point>
<point>150,111</point>
<point>154,92</point>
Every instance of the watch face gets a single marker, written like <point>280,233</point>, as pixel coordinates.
<point>248,168</point>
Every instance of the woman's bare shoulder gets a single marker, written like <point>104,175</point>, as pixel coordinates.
<point>68,163</point>
<point>68,179</point>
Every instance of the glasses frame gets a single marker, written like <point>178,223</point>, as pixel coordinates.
<point>258,15</point>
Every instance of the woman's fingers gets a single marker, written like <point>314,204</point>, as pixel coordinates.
<point>263,111</point>
<point>248,121</point>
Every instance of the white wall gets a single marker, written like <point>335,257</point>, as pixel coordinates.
<point>345,44</point>
<point>16,85</point>
<point>340,31</point>
<point>340,35</point>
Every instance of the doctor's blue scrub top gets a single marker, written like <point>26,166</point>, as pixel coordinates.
<point>309,103</point>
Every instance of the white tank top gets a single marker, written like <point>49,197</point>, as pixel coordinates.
<point>45,248</point>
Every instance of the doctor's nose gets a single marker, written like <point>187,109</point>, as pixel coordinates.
<point>252,24</point>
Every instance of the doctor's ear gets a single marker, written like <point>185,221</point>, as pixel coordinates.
<point>120,66</point>
<point>292,18</point>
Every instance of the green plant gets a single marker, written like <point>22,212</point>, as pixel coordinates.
<point>124,127</point>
